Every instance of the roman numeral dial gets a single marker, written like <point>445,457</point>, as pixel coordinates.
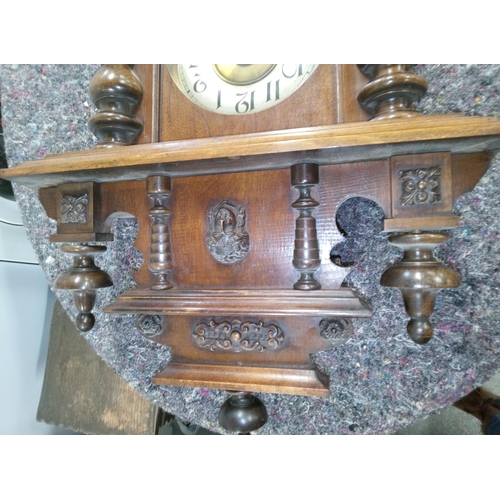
<point>239,89</point>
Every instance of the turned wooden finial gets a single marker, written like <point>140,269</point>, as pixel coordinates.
<point>116,91</point>
<point>393,90</point>
<point>419,276</point>
<point>242,413</point>
<point>83,279</point>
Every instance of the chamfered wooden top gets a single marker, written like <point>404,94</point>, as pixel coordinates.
<point>326,145</point>
<point>339,302</point>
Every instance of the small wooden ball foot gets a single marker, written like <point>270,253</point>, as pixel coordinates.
<point>83,279</point>
<point>242,413</point>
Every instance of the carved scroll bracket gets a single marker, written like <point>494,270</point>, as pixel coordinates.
<point>419,276</point>
<point>83,279</point>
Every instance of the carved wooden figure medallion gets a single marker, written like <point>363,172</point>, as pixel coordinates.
<point>227,239</point>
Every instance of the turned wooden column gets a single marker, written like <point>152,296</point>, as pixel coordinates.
<point>392,92</point>
<point>160,253</point>
<point>306,257</point>
<point>83,279</point>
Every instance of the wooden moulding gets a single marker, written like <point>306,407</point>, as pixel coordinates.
<point>324,145</point>
<point>418,223</point>
<point>300,381</point>
<point>340,303</point>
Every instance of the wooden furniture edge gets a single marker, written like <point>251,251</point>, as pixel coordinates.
<point>323,145</point>
<point>337,302</point>
<point>301,381</point>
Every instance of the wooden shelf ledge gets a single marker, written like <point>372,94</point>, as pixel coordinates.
<point>327,145</point>
<point>337,302</point>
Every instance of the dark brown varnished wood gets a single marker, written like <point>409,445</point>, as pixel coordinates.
<point>419,276</point>
<point>421,185</point>
<point>207,333</point>
<point>160,253</point>
<point>116,91</point>
<point>83,279</point>
<point>225,239</point>
<point>242,413</point>
<point>340,302</point>
<point>302,380</point>
<point>392,92</point>
<point>148,110</point>
<point>306,254</point>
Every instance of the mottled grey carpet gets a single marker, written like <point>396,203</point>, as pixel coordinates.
<point>380,380</point>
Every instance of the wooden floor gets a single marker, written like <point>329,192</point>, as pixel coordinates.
<point>451,420</point>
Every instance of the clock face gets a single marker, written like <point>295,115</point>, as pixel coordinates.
<point>239,89</point>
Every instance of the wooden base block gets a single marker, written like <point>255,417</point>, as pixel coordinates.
<point>300,381</point>
<point>421,223</point>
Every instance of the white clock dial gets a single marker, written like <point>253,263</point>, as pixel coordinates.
<point>239,89</point>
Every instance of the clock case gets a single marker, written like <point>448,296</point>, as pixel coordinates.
<point>328,97</point>
<point>237,303</point>
<point>237,217</point>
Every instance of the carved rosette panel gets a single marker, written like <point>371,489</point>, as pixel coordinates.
<point>74,209</point>
<point>237,336</point>
<point>149,325</point>
<point>227,239</point>
<point>420,186</point>
<point>335,330</point>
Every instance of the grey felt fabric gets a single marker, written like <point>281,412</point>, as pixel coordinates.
<point>380,380</point>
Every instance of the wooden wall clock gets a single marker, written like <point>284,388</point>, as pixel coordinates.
<point>235,177</point>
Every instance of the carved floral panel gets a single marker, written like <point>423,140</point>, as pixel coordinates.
<point>237,336</point>
<point>335,330</point>
<point>420,186</point>
<point>74,209</point>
